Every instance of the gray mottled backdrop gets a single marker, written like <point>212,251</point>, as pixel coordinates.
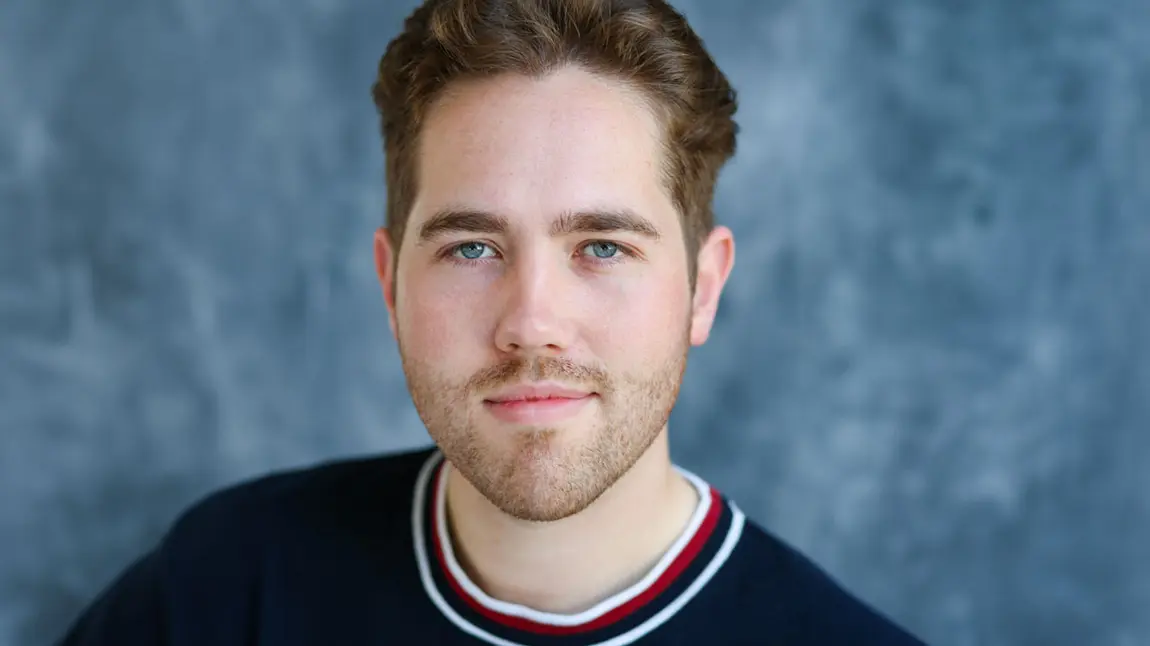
<point>931,370</point>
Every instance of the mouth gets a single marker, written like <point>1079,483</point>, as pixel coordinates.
<point>537,404</point>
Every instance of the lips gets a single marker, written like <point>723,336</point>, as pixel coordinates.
<point>536,404</point>
<point>537,392</point>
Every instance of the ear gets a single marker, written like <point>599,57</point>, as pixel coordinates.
<point>715,261</point>
<point>385,268</point>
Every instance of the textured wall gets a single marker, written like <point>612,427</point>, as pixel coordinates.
<point>931,370</point>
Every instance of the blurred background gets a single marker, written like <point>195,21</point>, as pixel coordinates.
<point>931,369</point>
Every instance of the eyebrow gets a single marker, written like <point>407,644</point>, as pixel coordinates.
<point>449,221</point>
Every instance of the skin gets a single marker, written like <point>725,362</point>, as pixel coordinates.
<point>543,246</point>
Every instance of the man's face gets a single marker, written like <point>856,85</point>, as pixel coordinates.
<point>542,304</point>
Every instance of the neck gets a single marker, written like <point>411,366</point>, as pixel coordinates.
<point>596,553</point>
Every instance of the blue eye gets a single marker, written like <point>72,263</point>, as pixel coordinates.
<point>603,249</point>
<point>471,250</point>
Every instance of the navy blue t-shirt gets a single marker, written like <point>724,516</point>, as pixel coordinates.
<point>356,553</point>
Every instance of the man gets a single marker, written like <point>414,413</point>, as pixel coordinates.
<point>549,259</point>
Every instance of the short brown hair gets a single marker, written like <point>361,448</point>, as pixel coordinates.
<point>645,43</point>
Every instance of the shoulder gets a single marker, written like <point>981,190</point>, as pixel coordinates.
<point>268,508</point>
<point>813,607</point>
<point>234,552</point>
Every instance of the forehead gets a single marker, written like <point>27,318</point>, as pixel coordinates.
<point>530,149</point>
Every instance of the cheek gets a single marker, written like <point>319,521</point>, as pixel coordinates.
<point>643,319</point>
<point>437,324</point>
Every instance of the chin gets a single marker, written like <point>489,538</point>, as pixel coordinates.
<point>535,455</point>
<point>530,475</point>
<point>517,443</point>
<point>544,513</point>
<point>540,501</point>
<point>546,482</point>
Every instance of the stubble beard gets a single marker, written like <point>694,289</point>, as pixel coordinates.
<point>546,474</point>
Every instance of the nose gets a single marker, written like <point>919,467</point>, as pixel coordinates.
<point>535,319</point>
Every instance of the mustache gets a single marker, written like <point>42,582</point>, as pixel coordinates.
<point>538,369</point>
